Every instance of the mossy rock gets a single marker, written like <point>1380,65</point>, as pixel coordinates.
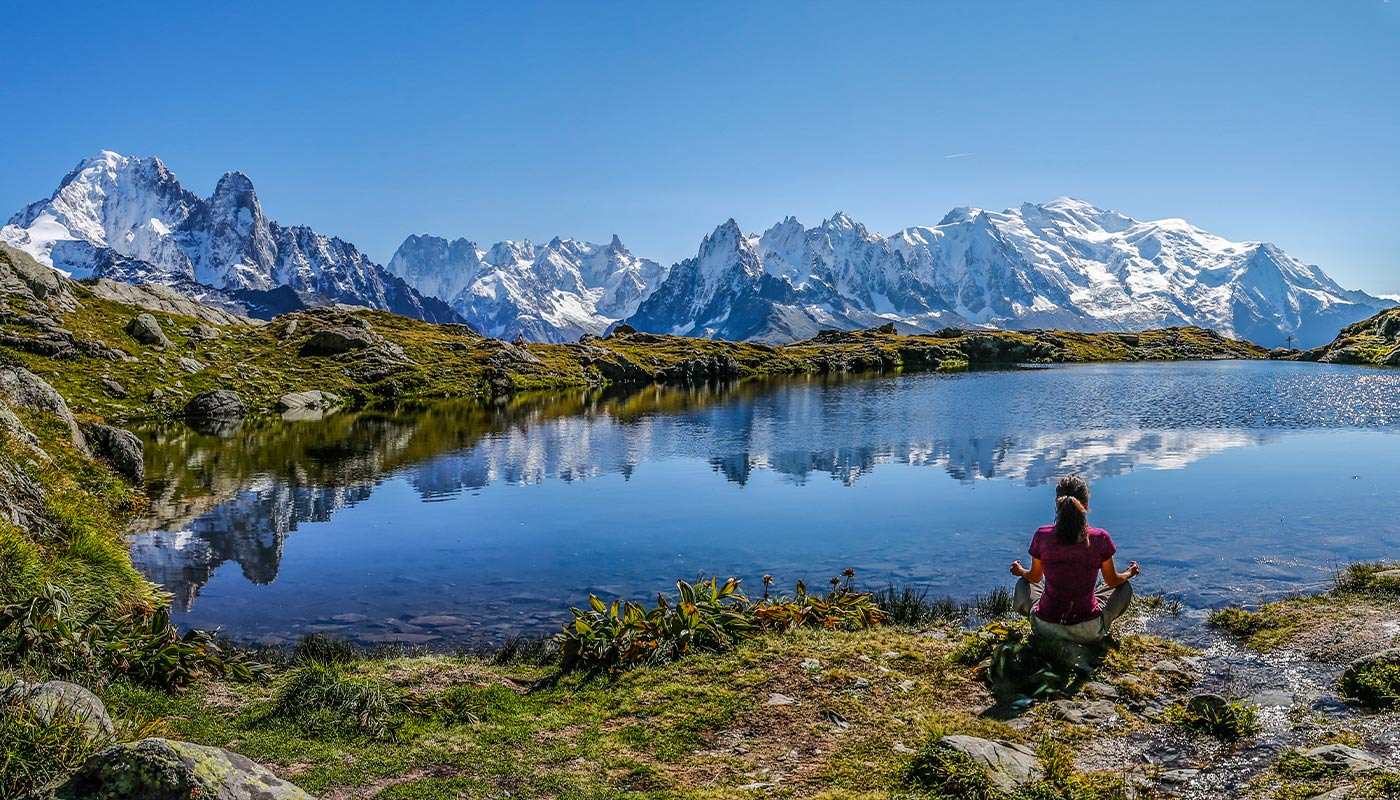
<point>1373,681</point>
<point>161,769</point>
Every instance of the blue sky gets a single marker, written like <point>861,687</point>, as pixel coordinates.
<point>1268,120</point>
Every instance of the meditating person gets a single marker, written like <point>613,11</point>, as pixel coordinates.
<point>1069,555</point>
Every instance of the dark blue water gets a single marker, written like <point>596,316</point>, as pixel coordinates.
<point>1227,481</point>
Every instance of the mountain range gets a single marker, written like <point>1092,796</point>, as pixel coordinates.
<point>129,219</point>
<point>1064,264</point>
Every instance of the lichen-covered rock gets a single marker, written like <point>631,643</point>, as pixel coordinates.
<point>27,390</point>
<point>144,329</point>
<point>1008,765</point>
<point>161,769</point>
<point>218,404</point>
<point>334,341</point>
<point>121,448</point>
<point>60,700</point>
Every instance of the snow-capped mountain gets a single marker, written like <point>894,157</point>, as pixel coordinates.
<point>554,292</point>
<point>129,219</point>
<point>1063,264</point>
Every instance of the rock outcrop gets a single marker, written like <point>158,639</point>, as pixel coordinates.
<point>120,448</point>
<point>24,389</point>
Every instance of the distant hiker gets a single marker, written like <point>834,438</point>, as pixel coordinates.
<point>1069,555</point>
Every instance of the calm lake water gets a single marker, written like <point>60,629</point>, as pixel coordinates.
<point>459,523</point>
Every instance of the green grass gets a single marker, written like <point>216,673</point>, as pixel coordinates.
<point>695,728</point>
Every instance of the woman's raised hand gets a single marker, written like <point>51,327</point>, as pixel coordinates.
<point>1133,570</point>
<point>1017,569</point>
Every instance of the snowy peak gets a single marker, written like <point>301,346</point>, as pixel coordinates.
<point>128,218</point>
<point>553,292</point>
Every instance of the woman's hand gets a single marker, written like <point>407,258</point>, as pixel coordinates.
<point>1017,569</point>
<point>1133,570</point>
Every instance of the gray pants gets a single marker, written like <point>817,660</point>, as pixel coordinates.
<point>1112,604</point>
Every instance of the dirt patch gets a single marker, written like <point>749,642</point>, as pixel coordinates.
<point>374,787</point>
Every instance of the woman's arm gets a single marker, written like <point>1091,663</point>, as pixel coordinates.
<point>1114,578</point>
<point>1032,575</point>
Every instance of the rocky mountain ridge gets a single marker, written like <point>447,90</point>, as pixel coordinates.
<point>129,219</point>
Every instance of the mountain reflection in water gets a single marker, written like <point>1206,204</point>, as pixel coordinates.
<point>237,497</point>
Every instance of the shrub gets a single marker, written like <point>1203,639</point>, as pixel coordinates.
<point>320,699</point>
<point>908,606</point>
<point>1364,579</point>
<point>705,617</point>
<point>46,636</point>
<point>1213,716</point>
<point>1020,664</point>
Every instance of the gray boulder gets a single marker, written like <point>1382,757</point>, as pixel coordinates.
<point>60,700</point>
<point>190,365</point>
<point>161,769</point>
<point>1343,756</point>
<point>1392,360</point>
<point>121,448</point>
<point>113,388</point>
<point>312,400</point>
<point>24,389</point>
<point>334,341</point>
<point>202,330</point>
<point>144,329</point>
<point>218,404</point>
<point>1008,765</point>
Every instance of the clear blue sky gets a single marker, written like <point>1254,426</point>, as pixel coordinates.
<point>1266,120</point>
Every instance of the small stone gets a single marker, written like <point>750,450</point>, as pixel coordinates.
<point>751,787</point>
<point>1101,689</point>
<point>1178,776</point>
<point>862,683</point>
<point>836,718</point>
<point>907,685</point>
<point>1271,698</point>
<point>890,654</point>
<point>1086,712</point>
<point>189,365</point>
<point>775,699</point>
<point>901,747</point>
<point>113,388</point>
<point>810,664</point>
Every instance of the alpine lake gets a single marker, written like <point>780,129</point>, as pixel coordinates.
<point>463,524</point>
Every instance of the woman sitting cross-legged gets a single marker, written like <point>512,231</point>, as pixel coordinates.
<point>1069,555</point>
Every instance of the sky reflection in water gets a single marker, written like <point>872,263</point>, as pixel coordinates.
<point>1227,480</point>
